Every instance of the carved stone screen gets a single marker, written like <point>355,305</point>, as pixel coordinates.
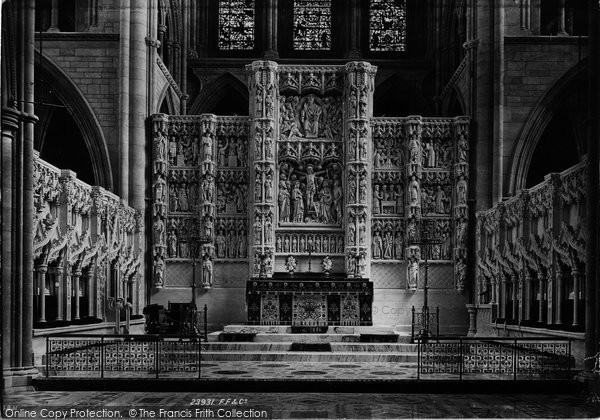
<point>387,25</point>
<point>310,174</point>
<point>236,24</point>
<point>312,24</point>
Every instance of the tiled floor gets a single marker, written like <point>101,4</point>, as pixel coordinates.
<point>332,406</point>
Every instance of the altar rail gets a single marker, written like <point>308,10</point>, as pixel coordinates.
<point>139,356</point>
<point>494,358</point>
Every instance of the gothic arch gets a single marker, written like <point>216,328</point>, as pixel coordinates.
<point>397,97</point>
<point>166,101</point>
<point>81,111</point>
<point>223,87</point>
<point>537,121</point>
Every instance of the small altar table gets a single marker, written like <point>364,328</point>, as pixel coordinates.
<point>309,299</point>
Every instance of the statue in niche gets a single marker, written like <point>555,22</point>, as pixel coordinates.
<point>232,155</point>
<point>183,199</point>
<point>298,200</point>
<point>240,199</point>
<point>377,199</point>
<point>173,151</point>
<point>377,246</point>
<point>461,234</point>
<point>193,204</point>
<point>388,243</point>
<point>268,229</point>
<point>411,231</point>
<point>463,147</point>
<point>294,244</point>
<point>278,244</point>
<point>196,151</point>
<point>326,200</point>
<point>436,253</point>
<point>231,244</point>
<point>338,194</point>
<point>378,159</point>
<point>291,264</point>
<point>222,153</point>
<point>159,231</point>
<point>241,153</point>
<point>302,244</point>
<point>413,273</point>
<point>286,244</point>
<point>172,244</point>
<point>398,245</point>
<point>207,146</point>
<point>269,188</point>
<point>430,155</point>
<point>461,270</point>
<point>362,231</point>
<point>362,189</point>
<point>310,116</point>
<point>258,147</point>
<point>258,186</point>
<point>413,191</point>
<point>242,244</point>
<point>325,244</point>
<point>439,201</point>
<point>352,188</point>
<point>207,271</point>
<point>220,243</point>
<point>362,148</point>
<point>269,147</point>
<point>351,232</point>
<point>399,198</point>
<point>363,101</point>
<point>257,230</point>
<point>159,266</point>
<point>284,202</point>
<point>413,150</point>
<point>184,251</point>
<point>461,191</point>
<point>318,244</point>
<point>310,245</point>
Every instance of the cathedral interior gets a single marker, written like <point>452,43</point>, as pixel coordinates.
<point>299,164</point>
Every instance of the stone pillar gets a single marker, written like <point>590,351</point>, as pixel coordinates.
<point>521,294</point>
<point>528,295</point>
<point>561,19</point>
<point>10,123</point>
<point>354,29</point>
<point>494,291</point>
<point>159,197</point>
<point>358,92</point>
<point>54,17</point>
<point>503,298</point>
<point>91,290</point>
<point>67,292</point>
<point>472,309</point>
<point>414,128</point>
<point>515,295</point>
<point>542,292</point>
<point>560,295</point>
<point>208,208</point>
<point>549,296</point>
<point>58,290</point>
<point>138,101</point>
<point>41,271</point>
<point>76,275</point>
<point>461,194</point>
<point>576,284</point>
<point>271,30</point>
<point>263,86</point>
<point>124,15</point>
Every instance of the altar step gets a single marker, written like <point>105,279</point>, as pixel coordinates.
<point>297,356</point>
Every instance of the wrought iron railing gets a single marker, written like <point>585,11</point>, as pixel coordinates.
<point>494,358</point>
<point>425,323</point>
<point>138,356</point>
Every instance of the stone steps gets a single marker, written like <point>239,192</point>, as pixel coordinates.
<point>262,337</point>
<point>278,356</point>
<point>286,346</point>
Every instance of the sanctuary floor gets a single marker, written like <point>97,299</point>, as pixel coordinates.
<point>331,405</point>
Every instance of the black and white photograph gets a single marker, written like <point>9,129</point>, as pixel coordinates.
<point>300,209</point>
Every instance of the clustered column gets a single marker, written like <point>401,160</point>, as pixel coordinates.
<point>414,129</point>
<point>208,124</point>
<point>359,110</point>
<point>461,193</point>
<point>263,83</point>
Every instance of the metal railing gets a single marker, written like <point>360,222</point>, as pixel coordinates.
<point>424,324</point>
<point>139,356</point>
<point>483,358</point>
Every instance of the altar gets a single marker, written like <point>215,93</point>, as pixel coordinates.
<point>309,299</point>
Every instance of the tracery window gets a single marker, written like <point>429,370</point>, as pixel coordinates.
<point>387,25</point>
<point>312,24</point>
<point>236,24</point>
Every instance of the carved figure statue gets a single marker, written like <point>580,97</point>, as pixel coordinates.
<point>284,202</point>
<point>172,245</point>
<point>269,188</point>
<point>388,246</point>
<point>413,150</point>
<point>298,200</point>
<point>207,273</point>
<point>222,153</point>
<point>398,245</point>
<point>159,266</point>
<point>338,194</point>
<point>220,244</point>
<point>159,231</point>
<point>377,198</point>
<point>207,147</point>
<point>439,201</point>
<point>463,147</point>
<point>430,155</point>
<point>310,116</point>
<point>327,264</point>
<point>414,192</point>
<point>242,244</point>
<point>377,246</point>
<point>413,273</point>
<point>326,202</point>
<point>461,191</point>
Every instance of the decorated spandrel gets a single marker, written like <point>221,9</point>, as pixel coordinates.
<point>387,25</point>
<point>312,24</point>
<point>236,24</point>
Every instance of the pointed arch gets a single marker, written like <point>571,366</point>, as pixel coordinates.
<point>226,95</point>
<point>79,108</point>
<point>397,97</point>
<point>537,122</point>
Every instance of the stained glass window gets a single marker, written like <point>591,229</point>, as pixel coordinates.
<point>387,25</point>
<point>312,24</point>
<point>236,24</point>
